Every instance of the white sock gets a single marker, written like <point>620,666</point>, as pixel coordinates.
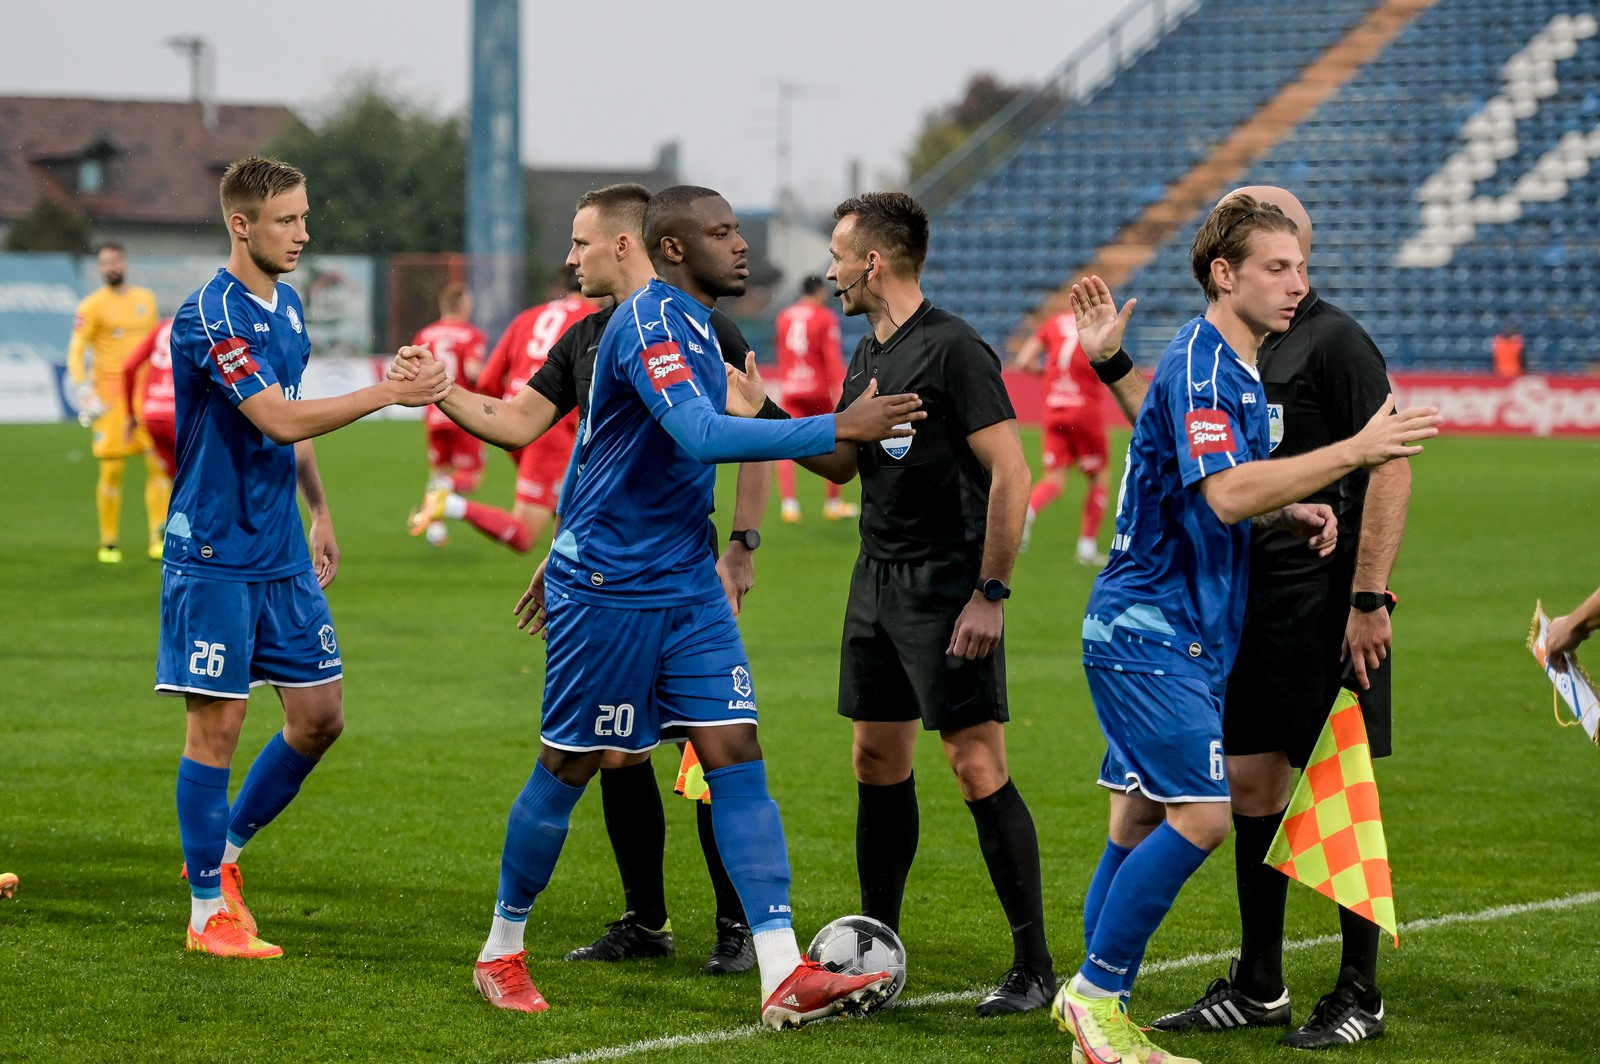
<point>230,853</point>
<point>505,938</point>
<point>1087,546</point>
<point>1083,988</point>
<point>203,909</point>
<point>455,507</point>
<point>1027,522</point>
<point>777,955</point>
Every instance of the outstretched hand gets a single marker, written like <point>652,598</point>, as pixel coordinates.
<point>873,417</point>
<point>747,393</point>
<point>409,362</point>
<point>1100,326</point>
<point>1391,435</point>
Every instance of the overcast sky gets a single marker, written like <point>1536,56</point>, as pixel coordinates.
<point>602,83</point>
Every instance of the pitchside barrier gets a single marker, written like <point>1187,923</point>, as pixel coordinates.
<point>1470,403</point>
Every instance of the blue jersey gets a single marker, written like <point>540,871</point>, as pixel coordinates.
<point>1171,599</point>
<point>233,514</point>
<point>633,530</point>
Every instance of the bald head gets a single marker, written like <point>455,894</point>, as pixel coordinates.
<point>1286,202</point>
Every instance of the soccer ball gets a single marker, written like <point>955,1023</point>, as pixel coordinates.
<point>857,945</point>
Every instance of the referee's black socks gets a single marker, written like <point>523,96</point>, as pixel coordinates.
<point>887,823</point>
<point>1263,892</point>
<point>1010,848</point>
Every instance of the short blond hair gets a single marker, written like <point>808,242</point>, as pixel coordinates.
<point>249,182</point>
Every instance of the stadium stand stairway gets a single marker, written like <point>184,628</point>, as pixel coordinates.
<point>1477,120</point>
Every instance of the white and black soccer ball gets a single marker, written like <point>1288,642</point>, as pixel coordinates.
<point>858,945</point>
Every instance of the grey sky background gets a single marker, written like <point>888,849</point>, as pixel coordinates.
<point>601,83</point>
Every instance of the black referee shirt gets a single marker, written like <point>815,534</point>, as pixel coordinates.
<point>928,494</point>
<point>1324,378</point>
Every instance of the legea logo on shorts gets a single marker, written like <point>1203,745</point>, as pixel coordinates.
<point>897,448</point>
<point>741,681</point>
<point>325,637</point>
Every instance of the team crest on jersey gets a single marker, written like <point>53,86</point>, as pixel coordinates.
<point>233,360</point>
<point>294,319</point>
<point>1274,424</point>
<point>741,681</point>
<point>1210,432</point>
<point>899,447</point>
<point>325,637</point>
<point>665,365</point>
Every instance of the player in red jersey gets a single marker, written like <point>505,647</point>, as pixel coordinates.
<point>1074,428</point>
<point>811,370</point>
<point>455,456</point>
<point>542,465</point>
<point>157,411</point>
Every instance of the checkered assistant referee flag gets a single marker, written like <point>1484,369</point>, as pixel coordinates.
<point>1331,838</point>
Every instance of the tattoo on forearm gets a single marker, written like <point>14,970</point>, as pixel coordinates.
<point>488,409</point>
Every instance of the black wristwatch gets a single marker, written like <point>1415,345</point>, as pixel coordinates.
<point>994,589</point>
<point>748,536</point>
<point>1371,601</point>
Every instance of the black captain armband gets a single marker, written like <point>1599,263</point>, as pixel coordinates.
<point>1114,368</point>
<point>771,411</point>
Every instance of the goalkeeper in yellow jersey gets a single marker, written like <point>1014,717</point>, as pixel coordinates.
<point>110,323</point>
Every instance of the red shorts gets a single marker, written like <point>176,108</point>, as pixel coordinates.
<point>807,405</point>
<point>164,439</point>
<point>542,466</point>
<point>1081,442</point>
<point>453,447</point>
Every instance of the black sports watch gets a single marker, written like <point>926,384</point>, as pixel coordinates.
<point>748,536</point>
<point>994,589</point>
<point>1371,601</point>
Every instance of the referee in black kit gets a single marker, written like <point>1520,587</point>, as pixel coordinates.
<point>1311,626</point>
<point>941,517</point>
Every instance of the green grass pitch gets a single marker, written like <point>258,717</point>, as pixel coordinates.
<point>378,881</point>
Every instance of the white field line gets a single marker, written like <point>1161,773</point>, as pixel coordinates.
<point>731,1034</point>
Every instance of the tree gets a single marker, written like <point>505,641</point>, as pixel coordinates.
<point>946,129</point>
<point>49,226</point>
<point>385,174</point>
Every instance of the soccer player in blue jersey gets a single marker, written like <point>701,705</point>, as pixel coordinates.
<point>630,584</point>
<point>1164,618</point>
<point>242,599</point>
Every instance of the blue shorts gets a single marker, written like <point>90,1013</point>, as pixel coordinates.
<point>624,679</point>
<point>1163,736</point>
<point>222,637</point>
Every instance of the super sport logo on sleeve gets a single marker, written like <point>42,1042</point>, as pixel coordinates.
<point>1210,432</point>
<point>665,365</point>
<point>233,360</point>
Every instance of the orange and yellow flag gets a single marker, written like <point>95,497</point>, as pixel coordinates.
<point>1331,838</point>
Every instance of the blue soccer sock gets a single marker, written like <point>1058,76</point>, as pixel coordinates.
<point>535,832</point>
<point>1111,859</point>
<point>203,825</point>
<point>750,839</point>
<point>1140,895</point>
<point>270,785</point>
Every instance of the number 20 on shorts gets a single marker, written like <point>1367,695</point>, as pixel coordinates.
<point>614,720</point>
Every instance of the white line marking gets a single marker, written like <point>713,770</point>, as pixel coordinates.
<point>706,1038</point>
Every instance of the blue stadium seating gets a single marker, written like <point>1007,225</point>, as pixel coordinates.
<point>1357,162</point>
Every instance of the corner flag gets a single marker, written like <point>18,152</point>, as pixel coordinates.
<point>1331,838</point>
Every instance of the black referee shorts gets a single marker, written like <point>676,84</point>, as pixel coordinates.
<point>1288,670</point>
<point>897,626</point>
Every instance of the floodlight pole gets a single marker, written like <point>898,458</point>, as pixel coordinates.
<point>495,229</point>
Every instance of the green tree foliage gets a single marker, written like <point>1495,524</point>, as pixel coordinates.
<point>49,226</point>
<point>384,174</point>
<point>945,129</point>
